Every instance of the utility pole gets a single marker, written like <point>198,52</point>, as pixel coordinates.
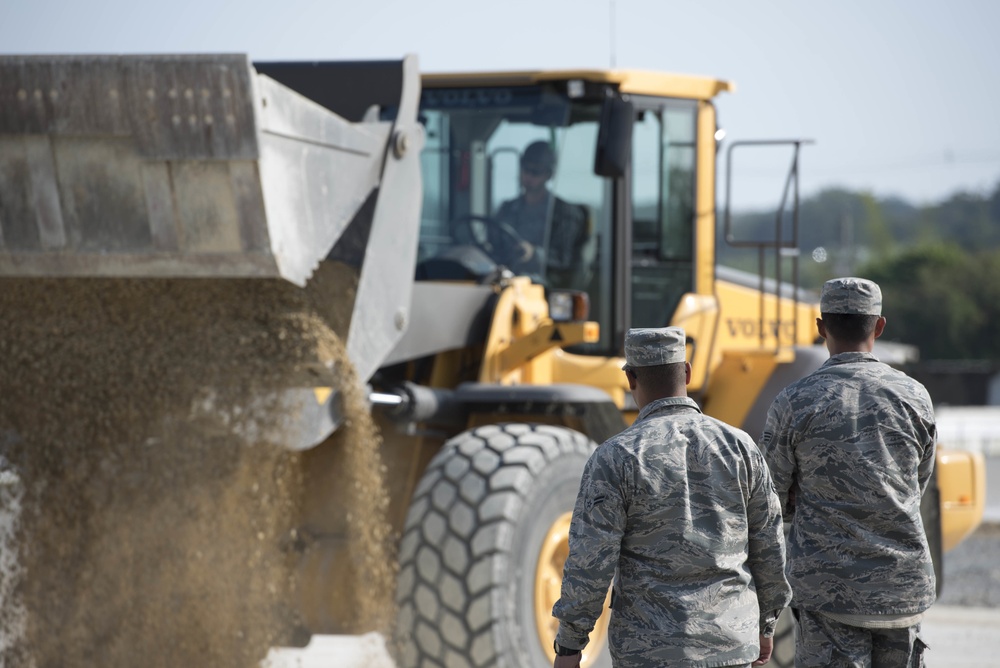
<point>845,258</point>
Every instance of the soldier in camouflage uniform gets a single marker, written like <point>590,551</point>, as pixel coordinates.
<point>680,509</point>
<point>851,449</point>
<point>553,233</point>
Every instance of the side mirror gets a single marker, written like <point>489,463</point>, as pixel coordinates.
<point>614,138</point>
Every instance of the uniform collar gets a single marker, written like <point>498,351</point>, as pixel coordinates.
<point>667,403</point>
<point>847,358</point>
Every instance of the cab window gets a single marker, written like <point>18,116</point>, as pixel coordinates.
<point>662,201</point>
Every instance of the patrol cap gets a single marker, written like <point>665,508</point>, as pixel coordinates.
<point>852,296</point>
<point>651,346</point>
<point>539,155</point>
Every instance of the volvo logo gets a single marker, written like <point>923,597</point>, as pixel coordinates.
<point>750,327</point>
<point>467,97</point>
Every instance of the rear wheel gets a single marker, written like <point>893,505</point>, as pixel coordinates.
<point>483,549</point>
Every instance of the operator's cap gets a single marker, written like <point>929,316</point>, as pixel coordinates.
<point>652,346</point>
<point>852,296</point>
<point>539,155</point>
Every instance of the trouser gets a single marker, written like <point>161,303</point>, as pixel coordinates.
<point>821,642</point>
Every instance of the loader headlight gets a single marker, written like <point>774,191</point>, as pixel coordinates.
<point>568,305</point>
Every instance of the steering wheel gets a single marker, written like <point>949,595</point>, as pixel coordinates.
<point>496,238</point>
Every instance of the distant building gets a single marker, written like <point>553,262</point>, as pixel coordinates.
<point>966,395</point>
<point>958,382</point>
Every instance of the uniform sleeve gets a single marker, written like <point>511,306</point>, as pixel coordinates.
<point>776,444</point>
<point>595,537</point>
<point>766,552</point>
<point>568,237</point>
<point>926,466</point>
<point>503,212</point>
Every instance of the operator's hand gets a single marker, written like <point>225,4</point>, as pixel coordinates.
<point>527,251</point>
<point>766,647</point>
<point>572,661</point>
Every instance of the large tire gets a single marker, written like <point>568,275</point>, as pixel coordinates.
<point>469,556</point>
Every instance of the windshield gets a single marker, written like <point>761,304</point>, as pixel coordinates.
<point>508,182</point>
<point>508,178</point>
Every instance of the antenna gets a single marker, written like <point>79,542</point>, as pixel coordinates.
<point>611,28</point>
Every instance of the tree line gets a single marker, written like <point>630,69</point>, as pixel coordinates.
<point>938,265</point>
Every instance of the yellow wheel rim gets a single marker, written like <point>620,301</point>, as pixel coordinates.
<point>548,582</point>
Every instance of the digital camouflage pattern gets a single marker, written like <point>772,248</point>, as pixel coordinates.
<point>825,643</point>
<point>851,296</point>
<point>854,442</point>
<point>682,505</point>
<point>653,346</point>
<point>562,241</point>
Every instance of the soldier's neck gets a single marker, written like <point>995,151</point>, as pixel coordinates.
<point>837,347</point>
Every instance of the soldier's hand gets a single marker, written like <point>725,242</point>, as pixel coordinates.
<point>766,647</point>
<point>572,661</point>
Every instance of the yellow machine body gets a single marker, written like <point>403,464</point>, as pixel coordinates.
<point>483,380</point>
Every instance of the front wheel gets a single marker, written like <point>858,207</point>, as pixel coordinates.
<point>483,548</point>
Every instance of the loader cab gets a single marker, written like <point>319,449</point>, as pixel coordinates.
<point>617,215</point>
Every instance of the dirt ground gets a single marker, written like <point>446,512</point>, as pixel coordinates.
<point>151,506</point>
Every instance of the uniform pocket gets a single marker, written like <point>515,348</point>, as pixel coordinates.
<point>917,657</point>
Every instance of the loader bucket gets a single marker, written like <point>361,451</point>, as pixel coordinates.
<point>173,166</point>
<point>181,166</point>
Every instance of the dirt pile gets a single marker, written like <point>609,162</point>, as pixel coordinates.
<point>159,511</point>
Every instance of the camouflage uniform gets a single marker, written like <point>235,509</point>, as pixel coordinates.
<point>851,450</point>
<point>558,231</point>
<point>853,645</point>
<point>561,242</point>
<point>682,506</point>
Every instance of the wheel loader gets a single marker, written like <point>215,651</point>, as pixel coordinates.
<point>359,394</point>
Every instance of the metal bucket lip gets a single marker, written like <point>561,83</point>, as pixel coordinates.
<point>170,166</point>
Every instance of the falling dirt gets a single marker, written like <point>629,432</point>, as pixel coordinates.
<point>158,514</point>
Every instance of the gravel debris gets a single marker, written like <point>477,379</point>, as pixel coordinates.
<point>151,506</point>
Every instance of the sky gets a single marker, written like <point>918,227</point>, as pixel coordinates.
<point>900,97</point>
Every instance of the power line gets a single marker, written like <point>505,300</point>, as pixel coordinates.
<point>915,163</point>
<point>950,160</point>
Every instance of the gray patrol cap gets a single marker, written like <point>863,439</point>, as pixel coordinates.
<point>852,296</point>
<point>649,346</point>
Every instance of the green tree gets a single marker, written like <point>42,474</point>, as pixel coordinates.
<point>942,299</point>
<point>880,238</point>
<point>938,265</point>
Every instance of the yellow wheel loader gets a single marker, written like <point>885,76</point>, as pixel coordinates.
<point>478,244</point>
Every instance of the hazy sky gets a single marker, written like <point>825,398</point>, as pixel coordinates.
<point>901,97</point>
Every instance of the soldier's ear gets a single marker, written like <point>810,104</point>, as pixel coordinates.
<point>879,326</point>
<point>630,377</point>
<point>821,328</point>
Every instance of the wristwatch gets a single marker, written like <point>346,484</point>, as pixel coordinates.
<point>563,651</point>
